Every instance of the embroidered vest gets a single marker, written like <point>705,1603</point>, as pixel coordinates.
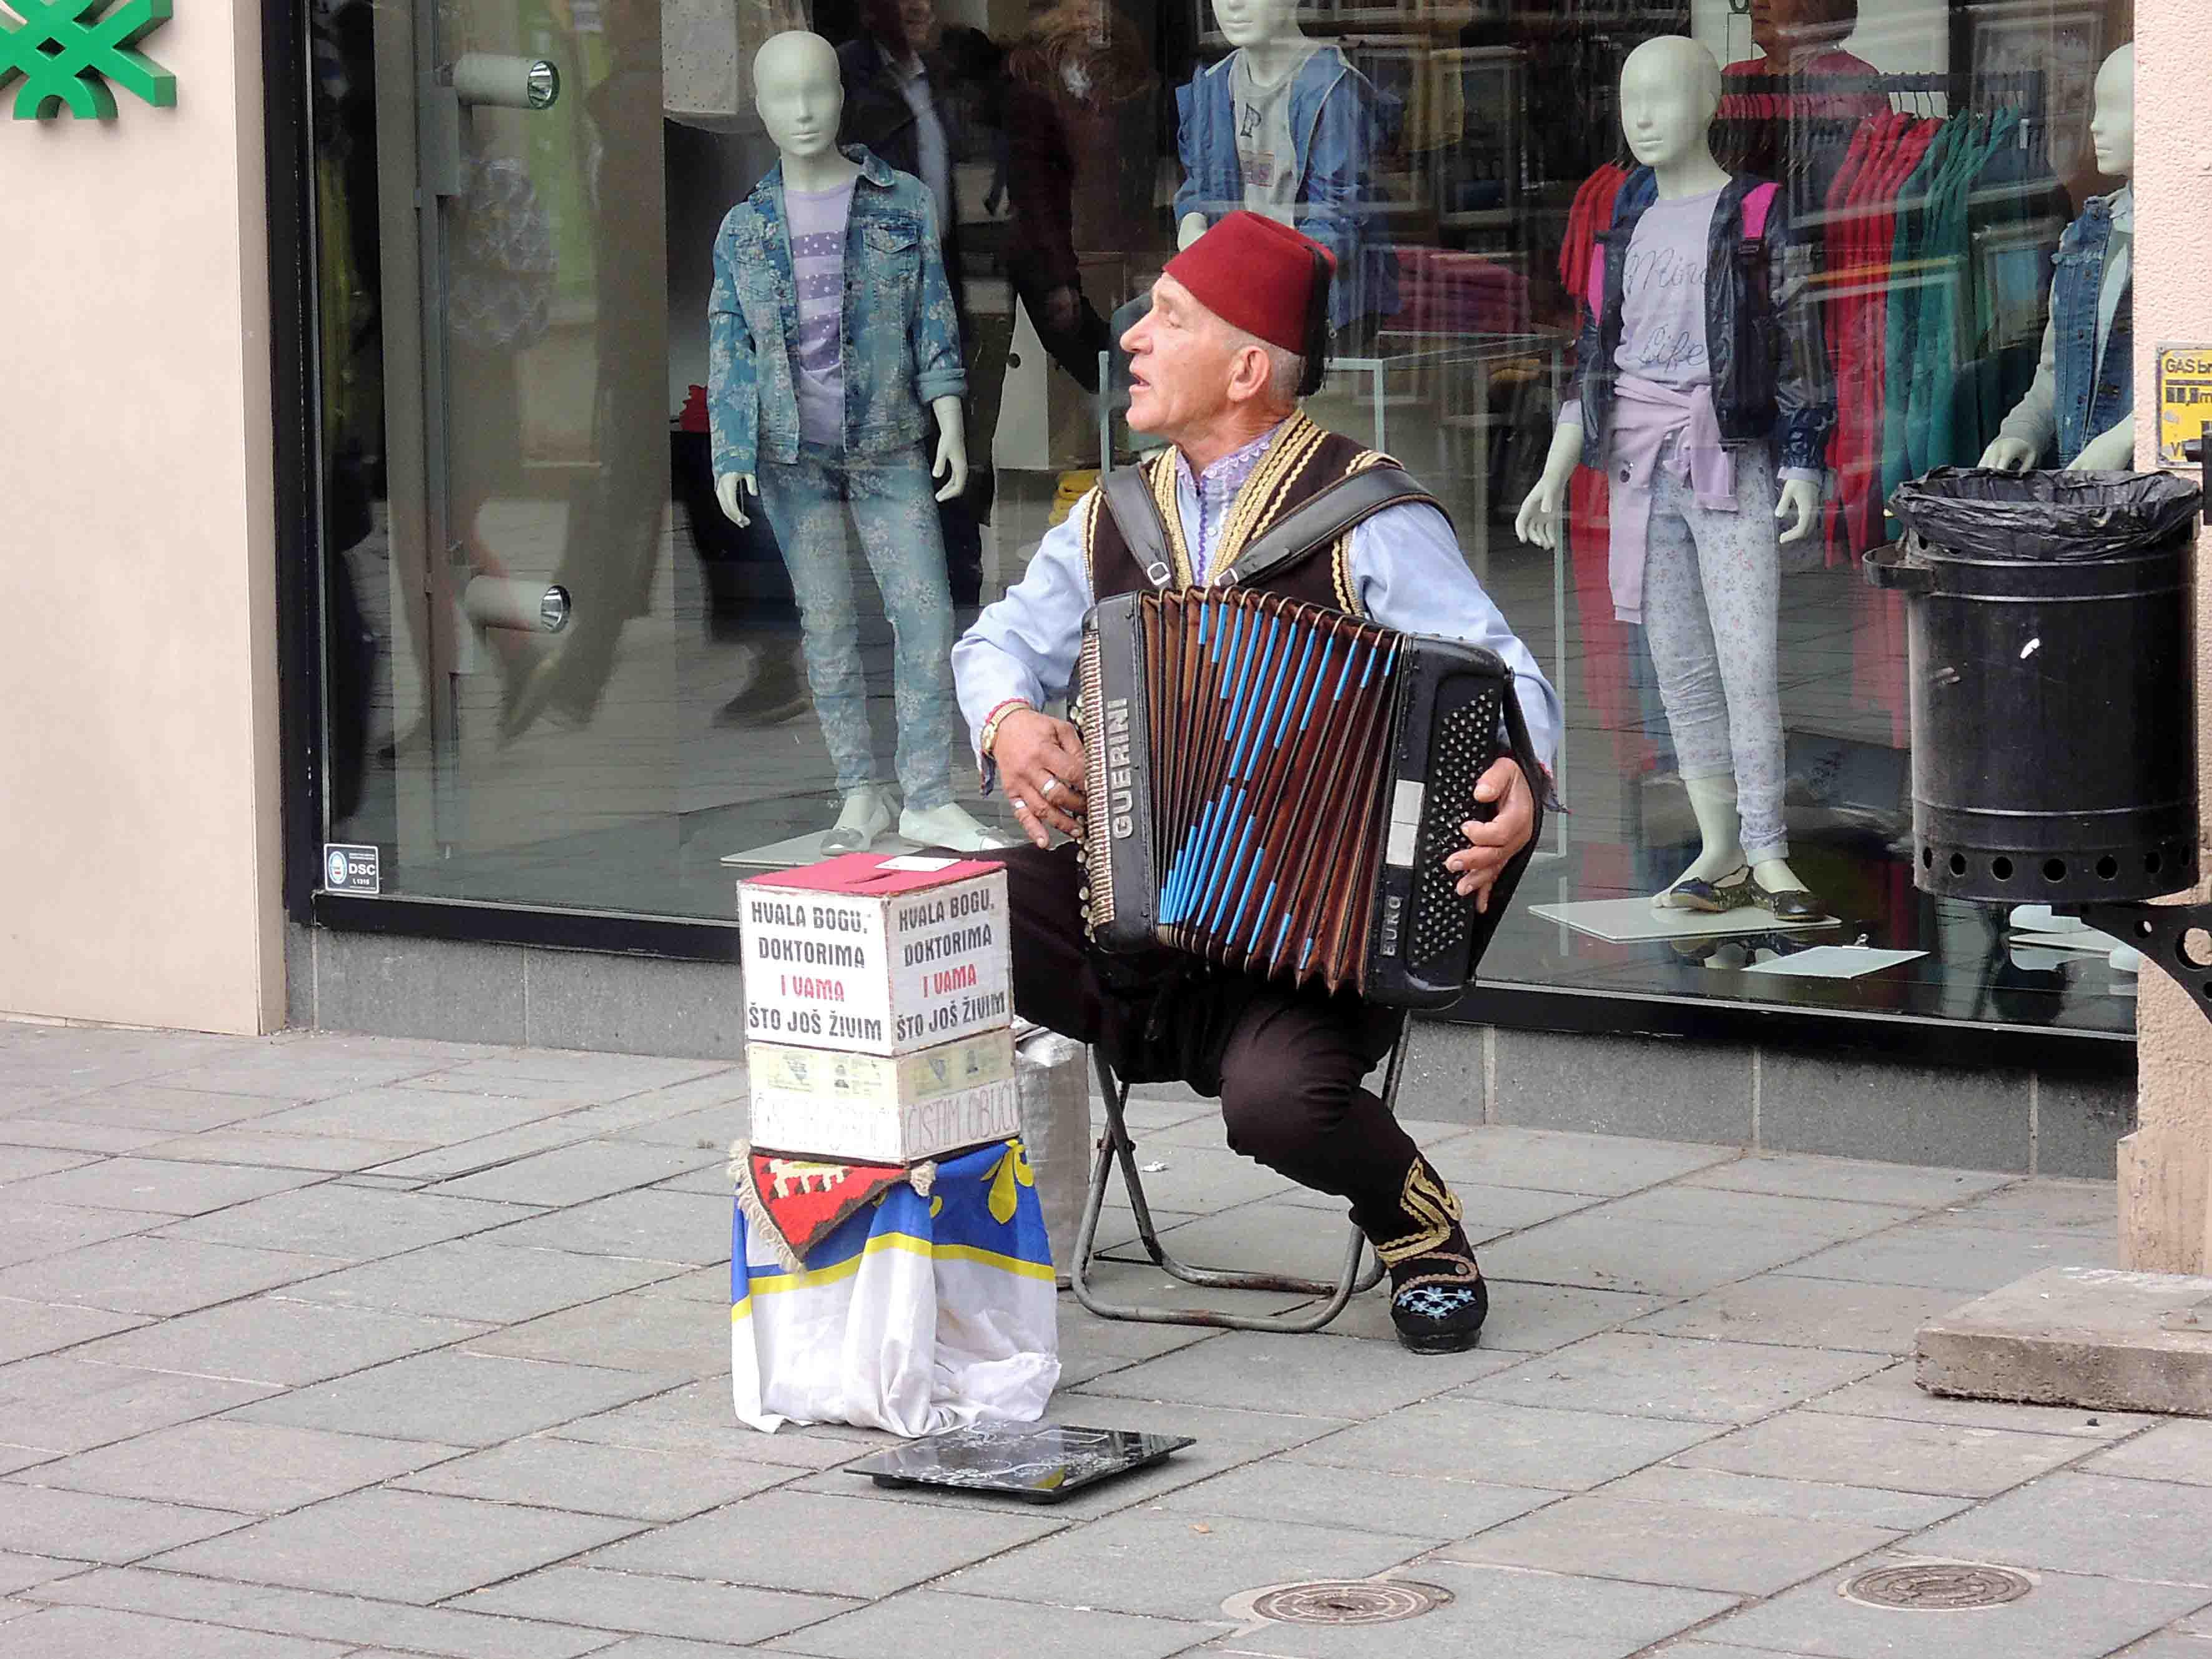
<point>1301,461</point>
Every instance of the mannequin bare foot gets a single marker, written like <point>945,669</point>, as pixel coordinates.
<point>948,826</point>
<point>866,814</point>
<point>1778,888</point>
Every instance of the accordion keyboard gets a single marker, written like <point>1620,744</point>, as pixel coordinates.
<point>1466,745</point>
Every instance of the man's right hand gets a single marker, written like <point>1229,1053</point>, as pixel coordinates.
<point>1041,769</point>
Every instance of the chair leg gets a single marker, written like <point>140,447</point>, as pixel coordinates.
<point>1116,1146</point>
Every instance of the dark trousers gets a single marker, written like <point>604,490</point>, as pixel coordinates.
<point>1287,1065</point>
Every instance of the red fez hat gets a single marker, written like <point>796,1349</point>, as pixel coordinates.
<point>1260,276</point>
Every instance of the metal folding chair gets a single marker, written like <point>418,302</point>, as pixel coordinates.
<point>1117,1145</point>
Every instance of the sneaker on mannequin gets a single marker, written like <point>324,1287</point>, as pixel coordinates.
<point>948,826</point>
<point>866,815</point>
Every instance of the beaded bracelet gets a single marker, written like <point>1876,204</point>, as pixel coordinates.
<point>990,732</point>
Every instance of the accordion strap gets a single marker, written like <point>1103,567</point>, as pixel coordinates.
<point>1324,516</point>
<point>1128,493</point>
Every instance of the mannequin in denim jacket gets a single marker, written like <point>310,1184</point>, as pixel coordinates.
<point>2083,403</point>
<point>1328,120</point>
<point>874,472</point>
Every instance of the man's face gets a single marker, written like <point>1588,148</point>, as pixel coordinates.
<point>918,18</point>
<point>1180,361</point>
<point>1778,27</point>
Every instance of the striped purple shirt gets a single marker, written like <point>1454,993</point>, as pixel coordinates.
<point>816,219</point>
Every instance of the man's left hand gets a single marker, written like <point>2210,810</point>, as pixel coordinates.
<point>1491,846</point>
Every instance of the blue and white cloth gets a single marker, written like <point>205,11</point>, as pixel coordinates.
<point>917,1315</point>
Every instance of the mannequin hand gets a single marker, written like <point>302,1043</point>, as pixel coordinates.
<point>2008,455</point>
<point>951,462</point>
<point>1801,506</point>
<point>1189,229</point>
<point>731,490</point>
<point>2112,450</point>
<point>1490,846</point>
<point>1041,769</point>
<point>1538,522</point>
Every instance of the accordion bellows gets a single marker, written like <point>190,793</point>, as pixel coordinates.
<point>1273,787</point>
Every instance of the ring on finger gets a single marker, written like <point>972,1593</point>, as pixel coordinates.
<point>1050,784</point>
<point>1020,805</point>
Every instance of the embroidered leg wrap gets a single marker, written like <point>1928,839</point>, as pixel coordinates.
<point>1438,1298</point>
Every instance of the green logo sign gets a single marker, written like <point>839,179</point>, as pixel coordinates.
<point>65,53</point>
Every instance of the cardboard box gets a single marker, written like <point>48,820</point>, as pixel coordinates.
<point>875,1108</point>
<point>876,955</point>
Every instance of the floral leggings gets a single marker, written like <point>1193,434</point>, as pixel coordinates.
<point>894,510</point>
<point>1712,582</point>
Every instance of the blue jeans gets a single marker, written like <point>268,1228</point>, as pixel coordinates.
<point>894,510</point>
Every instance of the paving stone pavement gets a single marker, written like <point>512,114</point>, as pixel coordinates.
<point>345,1347</point>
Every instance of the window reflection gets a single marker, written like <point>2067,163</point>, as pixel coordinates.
<point>515,376</point>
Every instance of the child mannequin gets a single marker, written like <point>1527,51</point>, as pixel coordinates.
<point>1688,427</point>
<point>1286,126</point>
<point>831,419</point>
<point>2082,402</point>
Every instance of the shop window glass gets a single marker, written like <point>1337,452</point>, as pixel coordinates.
<point>561,674</point>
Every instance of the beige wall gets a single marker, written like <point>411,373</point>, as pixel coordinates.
<point>138,795</point>
<point>2163,1207</point>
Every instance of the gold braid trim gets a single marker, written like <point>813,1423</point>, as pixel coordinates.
<point>1164,497</point>
<point>1262,495</point>
<point>1433,1207</point>
<point>1459,1270</point>
<point>1092,504</point>
<point>1347,590</point>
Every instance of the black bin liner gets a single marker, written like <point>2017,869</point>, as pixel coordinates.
<point>2045,515</point>
<point>2053,683</point>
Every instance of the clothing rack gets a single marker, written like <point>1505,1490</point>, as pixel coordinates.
<point>1955,84</point>
<point>1782,141</point>
<point>1959,89</point>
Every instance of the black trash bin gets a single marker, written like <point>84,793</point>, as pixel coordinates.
<point>2054,731</point>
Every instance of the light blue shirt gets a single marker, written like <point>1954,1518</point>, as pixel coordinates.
<point>1406,565</point>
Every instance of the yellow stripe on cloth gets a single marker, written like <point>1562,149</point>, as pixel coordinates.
<point>775,1283</point>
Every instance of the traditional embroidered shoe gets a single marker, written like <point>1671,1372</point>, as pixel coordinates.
<point>1438,1298</point>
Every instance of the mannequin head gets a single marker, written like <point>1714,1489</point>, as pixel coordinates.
<point>799,92</point>
<point>2114,132</point>
<point>1670,87</point>
<point>1257,22</point>
<point>1785,29</point>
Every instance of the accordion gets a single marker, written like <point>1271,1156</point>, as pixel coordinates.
<point>1273,786</point>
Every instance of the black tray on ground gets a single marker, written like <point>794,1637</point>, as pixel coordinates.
<point>1040,1465</point>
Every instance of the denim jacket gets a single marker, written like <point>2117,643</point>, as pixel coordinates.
<point>901,349</point>
<point>1338,119</point>
<point>1771,382</point>
<point>2094,393</point>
